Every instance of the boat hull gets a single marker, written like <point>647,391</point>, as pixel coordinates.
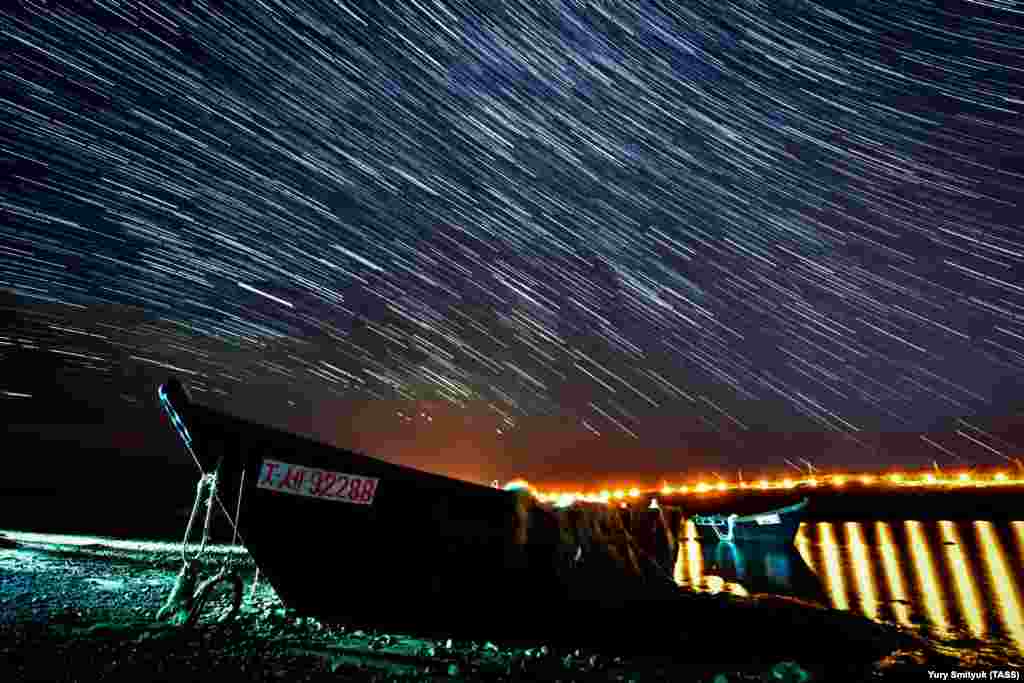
<point>404,549</point>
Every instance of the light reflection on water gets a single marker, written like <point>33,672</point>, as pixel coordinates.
<point>963,580</point>
<point>1000,575</point>
<point>955,578</point>
<point>865,578</point>
<point>1018,534</point>
<point>833,567</point>
<point>928,586</point>
<point>899,600</point>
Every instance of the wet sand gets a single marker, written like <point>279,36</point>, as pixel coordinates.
<point>81,612</point>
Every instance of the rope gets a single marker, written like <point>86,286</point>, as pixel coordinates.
<point>187,601</point>
<point>204,590</point>
<point>234,535</point>
<point>206,481</point>
<point>238,513</point>
<point>227,572</point>
<point>181,601</point>
<point>238,507</point>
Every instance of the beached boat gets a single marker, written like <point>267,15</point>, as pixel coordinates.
<point>774,526</point>
<point>348,538</point>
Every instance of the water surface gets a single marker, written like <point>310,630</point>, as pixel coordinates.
<point>954,579</point>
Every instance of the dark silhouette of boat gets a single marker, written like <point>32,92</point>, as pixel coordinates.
<point>777,526</point>
<point>348,538</point>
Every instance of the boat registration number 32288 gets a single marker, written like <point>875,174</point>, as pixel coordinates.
<point>314,483</point>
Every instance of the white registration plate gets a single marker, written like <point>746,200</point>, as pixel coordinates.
<point>299,480</point>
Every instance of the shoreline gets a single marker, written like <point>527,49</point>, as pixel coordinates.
<point>76,611</point>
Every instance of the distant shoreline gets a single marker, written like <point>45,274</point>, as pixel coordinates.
<point>863,503</point>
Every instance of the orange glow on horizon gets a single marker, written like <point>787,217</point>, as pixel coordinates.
<point>954,481</point>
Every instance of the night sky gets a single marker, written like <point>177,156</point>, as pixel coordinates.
<point>564,240</point>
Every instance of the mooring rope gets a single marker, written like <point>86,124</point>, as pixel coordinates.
<point>187,599</point>
<point>207,481</point>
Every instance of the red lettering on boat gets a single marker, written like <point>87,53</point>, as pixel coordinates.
<point>355,490</point>
<point>316,483</point>
<point>339,492</point>
<point>270,468</point>
<point>294,479</point>
<point>326,484</point>
<point>369,488</point>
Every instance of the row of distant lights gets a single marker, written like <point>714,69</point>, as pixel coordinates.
<point>837,480</point>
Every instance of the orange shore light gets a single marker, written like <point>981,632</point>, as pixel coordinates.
<point>904,479</point>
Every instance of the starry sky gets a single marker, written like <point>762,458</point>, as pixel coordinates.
<point>499,238</point>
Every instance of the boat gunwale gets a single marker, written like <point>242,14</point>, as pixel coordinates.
<point>184,405</point>
<point>719,519</point>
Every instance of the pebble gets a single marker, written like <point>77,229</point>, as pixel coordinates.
<point>254,639</point>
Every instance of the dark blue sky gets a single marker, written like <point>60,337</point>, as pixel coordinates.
<point>619,226</point>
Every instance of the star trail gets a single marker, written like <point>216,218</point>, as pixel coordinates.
<point>740,216</point>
